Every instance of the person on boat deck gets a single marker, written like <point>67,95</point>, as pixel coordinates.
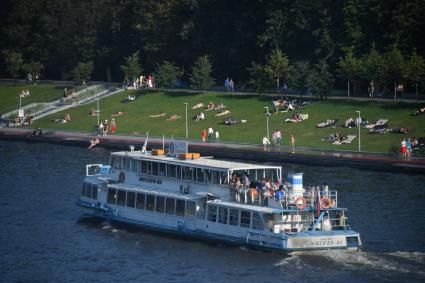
<point>325,189</point>
<point>246,181</point>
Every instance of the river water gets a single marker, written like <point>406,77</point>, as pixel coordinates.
<point>43,240</point>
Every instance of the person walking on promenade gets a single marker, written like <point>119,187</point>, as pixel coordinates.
<point>293,143</point>
<point>409,147</point>
<point>204,135</point>
<point>266,144</point>
<point>210,134</point>
<point>403,148</point>
<point>278,138</point>
<point>217,136</point>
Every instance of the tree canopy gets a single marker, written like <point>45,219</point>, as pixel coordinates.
<point>61,33</point>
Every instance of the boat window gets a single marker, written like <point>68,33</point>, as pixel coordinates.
<point>200,175</point>
<point>170,205</point>
<point>180,207</point>
<point>115,161</point>
<point>155,168</point>
<point>126,164</point>
<point>150,202</point>
<point>140,201</point>
<point>257,223</point>
<point>208,176</point>
<point>271,174</point>
<point>94,192</point>
<point>111,196</point>
<point>160,204</point>
<point>190,208</point>
<point>223,178</point>
<point>171,170</point>
<point>179,172</point>
<point>215,177</point>
<point>187,173</point>
<point>84,190</point>
<point>260,174</point>
<point>222,215</point>
<point>121,197</point>
<point>212,213</point>
<point>134,165</point>
<point>88,190</point>
<point>144,168</point>
<point>162,169</point>
<point>245,218</point>
<point>202,207</point>
<point>233,216</point>
<point>131,198</point>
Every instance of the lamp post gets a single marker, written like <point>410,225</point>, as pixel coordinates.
<point>98,112</point>
<point>359,124</point>
<point>267,121</point>
<point>187,130</point>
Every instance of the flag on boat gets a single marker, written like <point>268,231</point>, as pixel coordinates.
<point>318,202</point>
<point>146,143</point>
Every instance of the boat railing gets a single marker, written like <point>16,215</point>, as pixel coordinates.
<point>284,199</point>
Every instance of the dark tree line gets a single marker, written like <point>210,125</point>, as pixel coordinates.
<point>342,42</point>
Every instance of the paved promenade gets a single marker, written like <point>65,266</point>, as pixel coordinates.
<point>367,161</point>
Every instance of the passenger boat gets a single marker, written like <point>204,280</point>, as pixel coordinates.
<point>226,201</point>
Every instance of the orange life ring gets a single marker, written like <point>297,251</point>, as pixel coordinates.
<point>325,202</point>
<point>301,205</point>
<point>121,177</point>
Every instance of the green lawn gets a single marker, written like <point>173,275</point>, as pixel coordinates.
<point>246,107</point>
<point>9,95</point>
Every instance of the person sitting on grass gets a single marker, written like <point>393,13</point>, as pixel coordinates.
<point>198,117</point>
<point>94,142</point>
<point>350,123</point>
<point>220,106</point>
<point>210,106</point>
<point>67,117</point>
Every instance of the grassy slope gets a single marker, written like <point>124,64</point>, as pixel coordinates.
<point>9,95</point>
<point>251,108</point>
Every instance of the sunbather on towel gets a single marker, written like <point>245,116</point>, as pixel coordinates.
<point>225,112</point>
<point>199,105</point>
<point>399,130</point>
<point>117,114</point>
<point>297,118</point>
<point>328,122</point>
<point>220,106</point>
<point>174,117</point>
<point>419,111</point>
<point>161,114</point>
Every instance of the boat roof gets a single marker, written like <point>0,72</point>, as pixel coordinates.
<point>162,192</point>
<point>205,162</point>
<point>238,205</point>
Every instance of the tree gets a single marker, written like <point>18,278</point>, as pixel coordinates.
<point>277,66</point>
<point>299,72</point>
<point>415,69</point>
<point>258,78</point>
<point>82,73</point>
<point>167,73</point>
<point>394,67</point>
<point>348,66</point>
<point>13,62</point>
<point>34,69</point>
<point>320,81</point>
<point>201,73</point>
<point>373,69</point>
<point>131,68</point>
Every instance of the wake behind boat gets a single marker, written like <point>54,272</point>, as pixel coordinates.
<point>233,202</point>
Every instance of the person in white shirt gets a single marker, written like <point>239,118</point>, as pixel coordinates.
<point>217,136</point>
<point>210,134</point>
<point>266,143</point>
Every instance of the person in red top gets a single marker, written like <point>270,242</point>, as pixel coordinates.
<point>204,135</point>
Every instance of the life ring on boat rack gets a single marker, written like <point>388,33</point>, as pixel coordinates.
<point>325,202</point>
<point>121,177</point>
<point>300,202</point>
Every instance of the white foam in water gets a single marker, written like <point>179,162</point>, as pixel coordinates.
<point>417,257</point>
<point>293,259</point>
<point>365,260</point>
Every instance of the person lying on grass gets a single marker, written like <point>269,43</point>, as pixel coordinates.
<point>225,112</point>
<point>174,117</point>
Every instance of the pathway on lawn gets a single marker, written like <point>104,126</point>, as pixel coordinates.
<point>363,160</point>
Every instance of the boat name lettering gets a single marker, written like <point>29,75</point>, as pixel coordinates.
<point>327,242</point>
<point>150,180</point>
